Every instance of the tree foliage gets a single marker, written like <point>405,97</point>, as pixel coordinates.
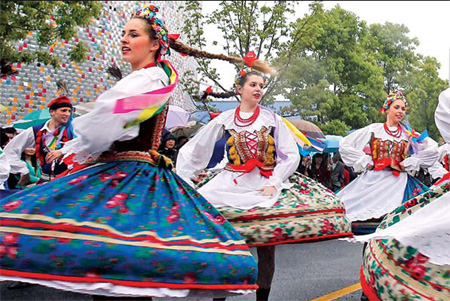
<point>50,20</point>
<point>334,68</point>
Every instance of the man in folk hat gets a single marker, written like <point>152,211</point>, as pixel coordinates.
<point>47,138</point>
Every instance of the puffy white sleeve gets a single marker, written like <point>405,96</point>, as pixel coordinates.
<point>351,148</point>
<point>4,169</point>
<point>13,151</point>
<point>442,115</point>
<point>288,155</point>
<point>98,129</point>
<point>195,155</point>
<point>426,156</point>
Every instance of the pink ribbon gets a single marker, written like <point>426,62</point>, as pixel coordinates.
<point>143,101</point>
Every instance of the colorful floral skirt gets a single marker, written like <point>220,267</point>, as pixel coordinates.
<point>393,271</point>
<point>305,212</point>
<point>126,223</point>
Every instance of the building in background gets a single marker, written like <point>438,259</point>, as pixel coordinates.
<point>35,84</point>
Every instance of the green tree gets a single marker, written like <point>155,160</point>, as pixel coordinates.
<point>51,20</point>
<point>422,92</point>
<point>245,26</point>
<point>394,52</point>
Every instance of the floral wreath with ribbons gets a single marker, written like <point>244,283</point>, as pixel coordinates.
<point>249,59</point>
<point>391,98</point>
<point>148,12</point>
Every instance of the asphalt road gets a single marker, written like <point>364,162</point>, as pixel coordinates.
<point>303,272</point>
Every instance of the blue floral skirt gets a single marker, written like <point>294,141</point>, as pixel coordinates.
<point>124,222</point>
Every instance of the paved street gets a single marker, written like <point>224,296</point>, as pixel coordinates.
<point>303,272</point>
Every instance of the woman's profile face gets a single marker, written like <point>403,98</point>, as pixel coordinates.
<point>396,111</point>
<point>136,45</point>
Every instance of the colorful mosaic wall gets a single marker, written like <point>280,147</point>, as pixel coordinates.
<point>35,84</point>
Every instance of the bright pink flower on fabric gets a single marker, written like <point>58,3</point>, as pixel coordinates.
<point>190,278</point>
<point>12,205</point>
<point>115,183</point>
<point>305,191</point>
<point>327,226</point>
<point>172,218</point>
<point>121,196</point>
<point>11,238</point>
<point>218,219</point>
<point>111,204</point>
<point>105,177</point>
<point>417,271</point>
<point>121,174</point>
<point>2,250</point>
<point>123,210</point>
<point>12,252</point>
<point>63,240</point>
<point>372,279</point>
<point>78,179</point>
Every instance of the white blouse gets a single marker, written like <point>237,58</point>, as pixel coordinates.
<point>237,189</point>
<point>352,146</point>
<point>98,129</point>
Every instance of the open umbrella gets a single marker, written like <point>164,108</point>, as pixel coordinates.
<point>189,130</point>
<point>308,128</point>
<point>332,143</point>
<point>32,119</point>
<point>177,117</point>
<point>201,116</point>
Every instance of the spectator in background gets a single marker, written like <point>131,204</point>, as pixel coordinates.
<point>6,135</point>
<point>319,170</point>
<point>29,158</point>
<point>181,141</point>
<point>168,148</point>
<point>305,164</point>
<point>337,172</point>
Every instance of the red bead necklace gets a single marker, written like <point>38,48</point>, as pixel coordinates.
<point>150,65</point>
<point>242,122</point>
<point>396,133</point>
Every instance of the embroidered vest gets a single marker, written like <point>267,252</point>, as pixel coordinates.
<point>388,154</point>
<point>247,150</point>
<point>42,151</point>
<point>150,132</point>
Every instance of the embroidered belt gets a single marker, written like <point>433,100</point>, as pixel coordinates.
<point>388,163</point>
<point>251,164</point>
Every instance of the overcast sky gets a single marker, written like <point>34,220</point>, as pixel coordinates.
<point>429,21</point>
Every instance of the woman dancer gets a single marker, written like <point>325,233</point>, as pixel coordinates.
<point>258,191</point>
<point>126,226</point>
<point>408,257</point>
<point>383,153</point>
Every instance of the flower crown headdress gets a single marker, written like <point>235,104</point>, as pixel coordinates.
<point>148,12</point>
<point>391,98</point>
<point>249,59</point>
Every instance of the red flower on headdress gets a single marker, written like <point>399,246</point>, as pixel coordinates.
<point>208,90</point>
<point>250,58</point>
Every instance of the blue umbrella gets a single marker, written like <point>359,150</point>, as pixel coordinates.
<point>201,116</point>
<point>32,119</point>
<point>332,143</point>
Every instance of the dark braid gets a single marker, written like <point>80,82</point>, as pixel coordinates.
<point>226,94</point>
<point>182,48</point>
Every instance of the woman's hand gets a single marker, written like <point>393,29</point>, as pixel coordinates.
<point>268,191</point>
<point>402,165</point>
<point>369,166</point>
<point>200,177</point>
